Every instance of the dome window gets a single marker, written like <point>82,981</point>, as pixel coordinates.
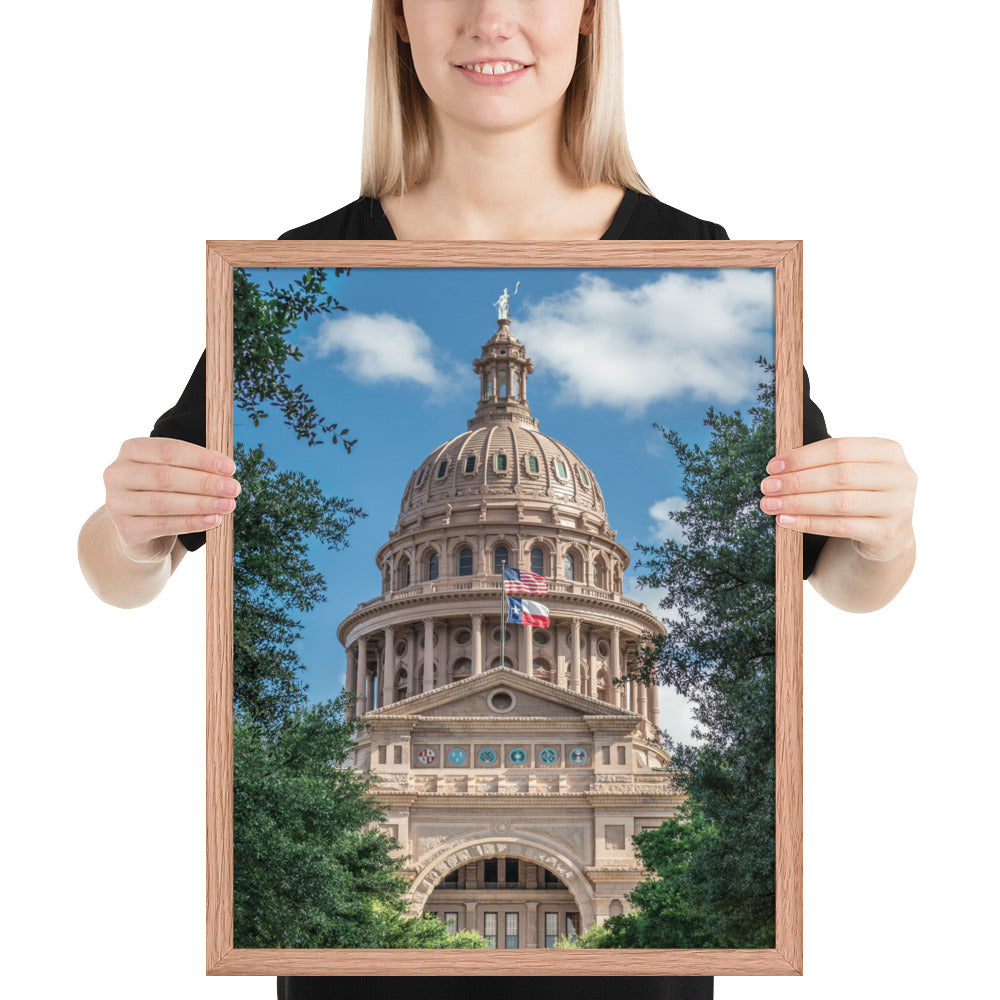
<point>463,636</point>
<point>532,465</point>
<point>433,566</point>
<point>465,562</point>
<point>538,561</point>
<point>501,558</point>
<point>442,469</point>
<point>583,477</point>
<point>561,470</point>
<point>569,566</point>
<point>501,462</point>
<point>462,667</point>
<point>404,573</point>
<point>420,478</point>
<point>470,464</point>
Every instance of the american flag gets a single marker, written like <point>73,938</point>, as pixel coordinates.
<point>521,582</point>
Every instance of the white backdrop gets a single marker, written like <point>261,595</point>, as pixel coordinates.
<point>135,132</point>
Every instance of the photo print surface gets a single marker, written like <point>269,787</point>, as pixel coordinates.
<point>504,608</point>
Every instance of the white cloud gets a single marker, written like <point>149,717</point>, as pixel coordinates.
<point>379,348</point>
<point>679,335</point>
<point>664,526</point>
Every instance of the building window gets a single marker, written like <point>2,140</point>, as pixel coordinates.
<point>569,566</point>
<point>501,558</point>
<point>462,668</point>
<point>532,465</point>
<point>538,561</point>
<point>420,478</point>
<point>583,477</point>
<point>501,462</point>
<point>470,463</point>
<point>561,470</point>
<point>381,754</point>
<point>502,384</point>
<point>465,562</point>
<point>404,573</point>
<point>442,469</point>
<point>433,566</point>
<point>490,929</point>
<point>397,750</point>
<point>462,636</point>
<point>572,924</point>
<point>451,923</point>
<point>490,866</point>
<point>551,929</point>
<point>511,930</point>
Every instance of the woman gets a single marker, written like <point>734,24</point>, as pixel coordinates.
<point>502,120</point>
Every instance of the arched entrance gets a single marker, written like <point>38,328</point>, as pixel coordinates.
<point>517,894</point>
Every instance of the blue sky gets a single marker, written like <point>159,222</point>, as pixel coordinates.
<point>615,350</point>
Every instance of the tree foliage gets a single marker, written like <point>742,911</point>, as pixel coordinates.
<point>262,322</point>
<point>719,653</point>
<point>311,869</point>
<point>278,514</point>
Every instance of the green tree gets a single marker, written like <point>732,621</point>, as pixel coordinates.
<point>277,516</point>
<point>719,652</point>
<point>311,869</point>
<point>263,320</point>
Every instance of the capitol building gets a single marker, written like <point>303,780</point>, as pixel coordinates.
<point>512,782</point>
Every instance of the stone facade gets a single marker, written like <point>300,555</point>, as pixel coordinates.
<point>513,786</point>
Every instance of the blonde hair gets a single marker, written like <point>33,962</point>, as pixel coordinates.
<point>396,145</point>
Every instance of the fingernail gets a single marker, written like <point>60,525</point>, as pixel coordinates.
<point>225,505</point>
<point>775,465</point>
<point>771,485</point>
<point>211,520</point>
<point>771,504</point>
<point>225,465</point>
<point>788,519</point>
<point>228,487</point>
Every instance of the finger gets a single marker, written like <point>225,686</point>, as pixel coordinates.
<point>172,452</point>
<point>866,530</point>
<point>834,451</point>
<point>845,476</point>
<point>160,504</point>
<point>135,531</point>
<point>842,503</point>
<point>144,478</point>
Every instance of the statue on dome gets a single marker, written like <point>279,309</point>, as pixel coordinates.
<point>503,303</point>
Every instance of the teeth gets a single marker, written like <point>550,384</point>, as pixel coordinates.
<point>495,69</point>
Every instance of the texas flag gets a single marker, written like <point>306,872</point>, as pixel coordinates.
<point>524,612</point>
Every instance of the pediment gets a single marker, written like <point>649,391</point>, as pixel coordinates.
<point>469,698</point>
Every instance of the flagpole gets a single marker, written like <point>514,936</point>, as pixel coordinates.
<point>503,615</point>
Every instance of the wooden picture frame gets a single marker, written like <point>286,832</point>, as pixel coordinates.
<point>785,258</point>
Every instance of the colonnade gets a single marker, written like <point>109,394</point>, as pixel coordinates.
<point>402,660</point>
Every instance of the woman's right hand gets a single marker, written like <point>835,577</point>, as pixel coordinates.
<point>159,488</point>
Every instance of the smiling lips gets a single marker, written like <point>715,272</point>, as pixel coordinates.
<point>493,72</point>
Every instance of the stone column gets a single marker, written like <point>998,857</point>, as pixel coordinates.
<point>351,679</point>
<point>574,668</point>
<point>411,664</point>
<point>361,682</point>
<point>388,667</point>
<point>527,648</point>
<point>621,695</point>
<point>654,711</point>
<point>446,677</point>
<point>477,644</point>
<point>531,924</point>
<point>428,654</point>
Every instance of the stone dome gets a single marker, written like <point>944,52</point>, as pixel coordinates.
<point>502,455</point>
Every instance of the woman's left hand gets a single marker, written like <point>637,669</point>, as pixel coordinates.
<point>861,489</point>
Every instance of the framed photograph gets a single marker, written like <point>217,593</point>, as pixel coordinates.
<point>504,661</point>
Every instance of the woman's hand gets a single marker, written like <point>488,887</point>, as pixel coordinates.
<point>159,488</point>
<point>859,491</point>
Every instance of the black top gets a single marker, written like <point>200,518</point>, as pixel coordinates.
<point>639,217</point>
